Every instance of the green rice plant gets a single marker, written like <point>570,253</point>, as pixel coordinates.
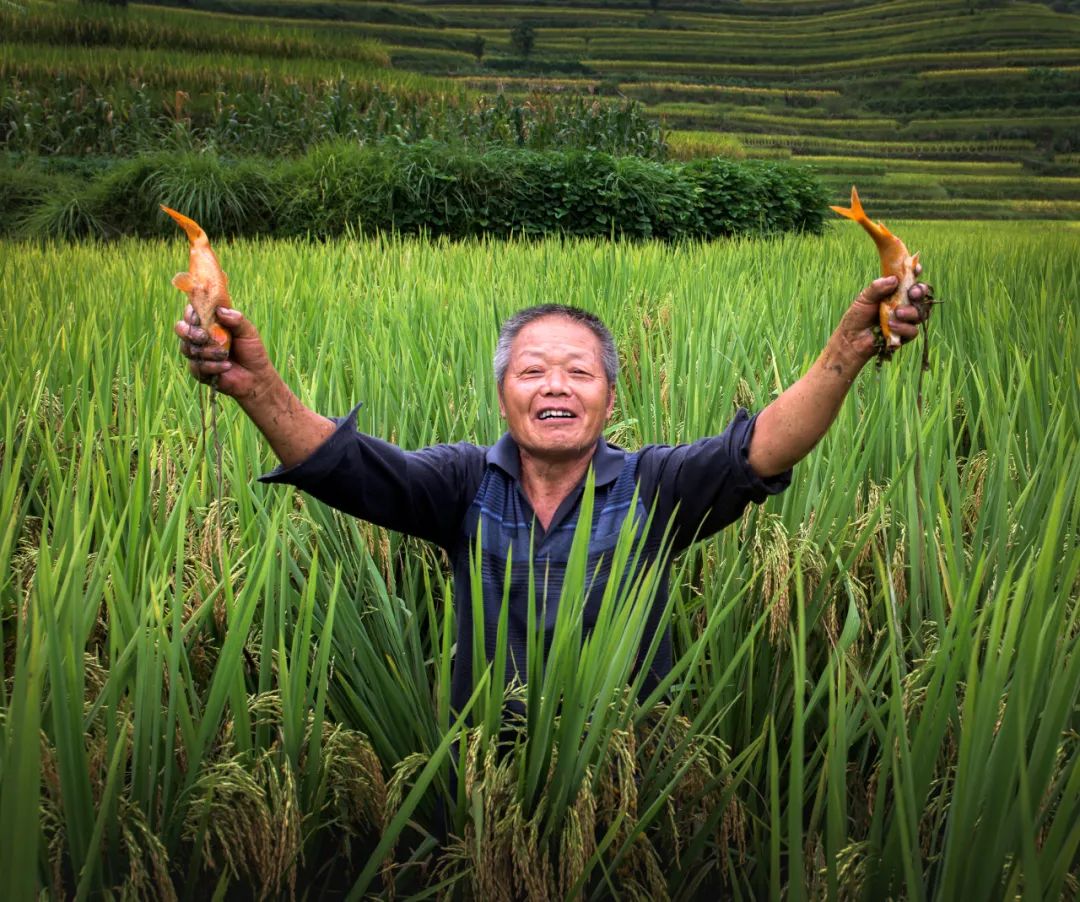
<point>999,148</point>
<point>434,60</point>
<point>1049,129</point>
<point>977,208</point>
<point>186,71</point>
<point>527,84</point>
<point>85,27</point>
<point>689,145</point>
<point>469,16</point>
<point>652,91</point>
<point>977,72</point>
<point>854,165</point>
<point>310,11</point>
<point>725,117</point>
<point>935,35</point>
<point>1053,56</point>
<point>868,22</point>
<point>968,187</point>
<point>877,671</point>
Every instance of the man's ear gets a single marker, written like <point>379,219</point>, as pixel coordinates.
<point>502,404</point>
<point>610,404</point>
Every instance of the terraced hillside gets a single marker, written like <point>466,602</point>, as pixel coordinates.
<point>945,109</point>
<point>958,108</point>
<point>935,107</point>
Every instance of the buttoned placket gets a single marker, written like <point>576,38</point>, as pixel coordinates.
<point>566,506</point>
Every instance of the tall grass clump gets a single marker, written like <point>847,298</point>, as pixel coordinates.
<point>441,189</point>
<point>877,672</point>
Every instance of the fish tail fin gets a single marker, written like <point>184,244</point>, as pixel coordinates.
<point>855,211</point>
<point>190,226</point>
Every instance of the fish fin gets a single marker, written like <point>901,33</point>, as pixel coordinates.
<point>184,281</point>
<point>915,260</point>
<point>855,211</point>
<point>220,336</point>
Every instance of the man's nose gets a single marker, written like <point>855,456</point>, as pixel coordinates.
<point>556,383</point>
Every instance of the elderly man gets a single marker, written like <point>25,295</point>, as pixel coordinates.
<point>556,369</point>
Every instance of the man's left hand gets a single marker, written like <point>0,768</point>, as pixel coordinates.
<point>856,327</point>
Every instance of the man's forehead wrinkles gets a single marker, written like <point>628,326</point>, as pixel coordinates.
<point>559,350</point>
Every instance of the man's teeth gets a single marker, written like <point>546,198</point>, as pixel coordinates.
<point>548,414</point>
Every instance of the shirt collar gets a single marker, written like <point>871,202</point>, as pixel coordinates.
<point>607,461</point>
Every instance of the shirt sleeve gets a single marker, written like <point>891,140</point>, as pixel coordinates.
<point>706,484</point>
<point>424,493</point>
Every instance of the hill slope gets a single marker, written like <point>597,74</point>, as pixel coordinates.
<point>949,108</point>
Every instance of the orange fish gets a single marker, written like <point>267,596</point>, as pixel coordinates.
<point>205,284</point>
<point>895,261</point>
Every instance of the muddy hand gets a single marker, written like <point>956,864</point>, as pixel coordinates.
<point>240,371</point>
<point>906,318</point>
<point>858,323</point>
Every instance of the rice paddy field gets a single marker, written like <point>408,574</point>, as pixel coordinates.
<point>211,687</point>
<point>240,693</point>
<point>970,82</point>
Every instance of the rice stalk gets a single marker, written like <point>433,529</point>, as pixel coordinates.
<point>907,730</point>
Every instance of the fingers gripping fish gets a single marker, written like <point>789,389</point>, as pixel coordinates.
<point>895,261</point>
<point>205,284</point>
<point>207,288</point>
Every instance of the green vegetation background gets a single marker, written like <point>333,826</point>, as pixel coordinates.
<point>878,672</point>
<point>986,92</point>
<point>879,669</point>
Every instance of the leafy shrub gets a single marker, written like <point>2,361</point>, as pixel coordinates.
<point>727,204</point>
<point>430,187</point>
<point>449,191</point>
<point>522,38</point>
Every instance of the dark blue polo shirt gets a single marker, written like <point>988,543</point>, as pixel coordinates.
<point>445,492</point>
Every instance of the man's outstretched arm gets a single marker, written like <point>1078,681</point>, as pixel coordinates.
<point>787,430</point>
<point>247,375</point>
<point>423,493</point>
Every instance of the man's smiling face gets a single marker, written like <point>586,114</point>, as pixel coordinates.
<point>555,395</point>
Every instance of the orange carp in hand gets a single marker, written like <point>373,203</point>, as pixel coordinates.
<point>205,284</point>
<point>895,261</point>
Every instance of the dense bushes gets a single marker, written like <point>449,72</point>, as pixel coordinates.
<point>430,187</point>
<point>736,198</point>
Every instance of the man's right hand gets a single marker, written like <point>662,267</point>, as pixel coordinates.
<point>245,373</point>
<point>242,373</point>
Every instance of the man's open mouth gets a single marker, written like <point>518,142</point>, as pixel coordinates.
<point>556,414</point>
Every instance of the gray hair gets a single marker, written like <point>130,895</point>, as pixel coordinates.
<point>609,357</point>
